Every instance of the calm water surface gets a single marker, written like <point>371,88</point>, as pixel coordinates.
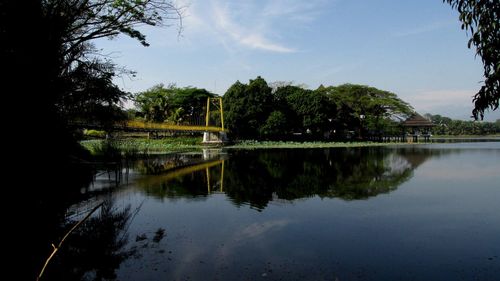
<point>424,212</point>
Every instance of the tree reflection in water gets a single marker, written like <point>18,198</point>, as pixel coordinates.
<point>257,177</point>
<point>96,249</point>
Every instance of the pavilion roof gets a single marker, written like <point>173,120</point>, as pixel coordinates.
<point>416,120</point>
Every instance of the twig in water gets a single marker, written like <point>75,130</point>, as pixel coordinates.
<point>56,248</point>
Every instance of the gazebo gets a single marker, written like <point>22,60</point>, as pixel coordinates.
<point>418,126</point>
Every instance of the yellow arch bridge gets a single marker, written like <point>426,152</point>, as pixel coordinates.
<point>139,126</point>
<point>211,134</point>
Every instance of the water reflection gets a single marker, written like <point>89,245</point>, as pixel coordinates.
<point>189,229</point>
<point>260,176</point>
<point>96,249</point>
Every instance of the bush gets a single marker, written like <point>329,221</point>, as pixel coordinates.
<point>94,134</point>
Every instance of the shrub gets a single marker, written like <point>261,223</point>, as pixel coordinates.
<point>94,133</point>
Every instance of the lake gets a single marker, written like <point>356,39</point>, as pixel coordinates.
<point>411,212</point>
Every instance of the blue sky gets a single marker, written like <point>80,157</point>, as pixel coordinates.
<point>415,49</point>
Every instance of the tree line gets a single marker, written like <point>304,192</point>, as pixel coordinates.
<point>171,104</point>
<point>447,126</point>
<point>283,111</point>
<point>280,110</point>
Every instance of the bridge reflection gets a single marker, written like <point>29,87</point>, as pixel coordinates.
<point>205,167</point>
<point>189,174</point>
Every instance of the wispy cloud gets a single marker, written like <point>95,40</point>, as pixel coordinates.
<point>245,36</point>
<point>258,25</point>
<point>430,27</point>
<point>297,10</point>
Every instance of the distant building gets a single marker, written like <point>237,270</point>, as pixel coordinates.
<point>418,126</point>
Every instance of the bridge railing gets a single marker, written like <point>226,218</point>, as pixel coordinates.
<point>147,126</point>
<point>170,127</point>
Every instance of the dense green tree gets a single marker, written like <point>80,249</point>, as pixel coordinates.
<point>482,18</point>
<point>313,110</point>
<point>234,108</point>
<point>247,107</point>
<point>154,104</point>
<point>275,125</point>
<point>192,102</point>
<point>365,107</point>
<point>317,113</point>
<point>173,104</point>
<point>92,96</point>
<point>281,96</point>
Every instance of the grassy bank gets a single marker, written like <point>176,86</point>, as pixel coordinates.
<point>180,144</point>
<point>147,146</point>
<point>466,136</point>
<point>289,144</point>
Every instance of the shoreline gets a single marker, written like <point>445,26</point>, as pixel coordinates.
<point>162,146</point>
<point>173,145</point>
<point>306,145</point>
<point>186,144</point>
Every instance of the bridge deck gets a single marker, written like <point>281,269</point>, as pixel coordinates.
<point>148,127</point>
<point>168,127</point>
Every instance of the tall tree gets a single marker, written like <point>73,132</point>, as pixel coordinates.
<point>161,103</point>
<point>247,107</point>
<point>49,44</point>
<point>91,95</point>
<point>482,19</point>
<point>55,40</point>
<point>366,108</point>
<point>276,125</point>
<point>48,68</point>
<point>192,102</point>
<point>313,110</point>
<point>155,103</point>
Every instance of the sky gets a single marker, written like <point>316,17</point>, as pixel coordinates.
<point>415,49</point>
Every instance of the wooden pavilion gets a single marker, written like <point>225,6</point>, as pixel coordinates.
<point>418,126</point>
